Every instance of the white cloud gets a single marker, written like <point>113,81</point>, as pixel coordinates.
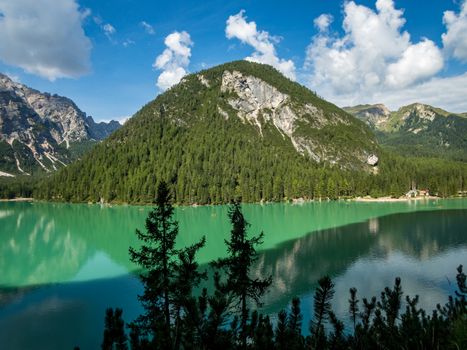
<point>108,29</point>
<point>455,39</point>
<point>128,42</point>
<point>174,60</point>
<point>261,41</point>
<point>374,55</point>
<point>323,22</point>
<point>447,93</point>
<point>45,37</point>
<point>147,27</point>
<point>418,61</point>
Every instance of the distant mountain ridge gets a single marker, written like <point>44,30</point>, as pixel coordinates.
<point>417,129</point>
<point>40,132</point>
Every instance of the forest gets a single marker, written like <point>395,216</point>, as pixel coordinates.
<point>176,317</point>
<point>203,180</point>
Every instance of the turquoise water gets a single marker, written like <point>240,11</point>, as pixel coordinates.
<point>63,264</point>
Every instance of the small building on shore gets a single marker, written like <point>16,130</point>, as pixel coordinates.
<point>417,193</point>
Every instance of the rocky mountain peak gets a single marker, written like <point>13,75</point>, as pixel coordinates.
<point>374,115</point>
<point>36,127</point>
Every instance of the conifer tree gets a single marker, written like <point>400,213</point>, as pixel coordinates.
<point>238,284</point>
<point>114,331</point>
<point>168,278</point>
<point>294,326</point>
<point>353,307</point>
<point>281,336</point>
<point>322,309</point>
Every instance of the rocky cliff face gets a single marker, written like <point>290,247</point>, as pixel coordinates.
<point>375,116</point>
<point>260,104</point>
<point>38,130</point>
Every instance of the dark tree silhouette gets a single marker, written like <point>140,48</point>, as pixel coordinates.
<point>281,336</point>
<point>353,307</point>
<point>322,308</point>
<point>294,326</point>
<point>168,277</point>
<point>114,331</point>
<point>238,284</point>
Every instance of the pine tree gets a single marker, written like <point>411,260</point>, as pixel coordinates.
<point>114,331</point>
<point>294,326</point>
<point>353,307</point>
<point>281,336</point>
<point>238,284</point>
<point>186,278</point>
<point>322,310</point>
<point>168,278</point>
<point>157,256</point>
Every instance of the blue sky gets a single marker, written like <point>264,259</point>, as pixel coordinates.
<point>103,54</point>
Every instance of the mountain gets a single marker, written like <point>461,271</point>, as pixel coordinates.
<point>375,116</point>
<point>40,132</point>
<point>240,129</point>
<point>417,129</point>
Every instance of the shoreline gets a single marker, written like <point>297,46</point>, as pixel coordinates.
<point>19,199</point>
<point>400,199</point>
<point>294,201</point>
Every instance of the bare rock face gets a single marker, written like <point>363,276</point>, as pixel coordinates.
<point>259,103</point>
<point>372,160</point>
<point>36,127</point>
<point>256,97</point>
<point>376,116</point>
<point>422,111</point>
<point>68,120</point>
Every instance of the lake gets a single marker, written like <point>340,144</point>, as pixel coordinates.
<point>61,265</point>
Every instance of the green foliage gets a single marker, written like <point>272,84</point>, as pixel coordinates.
<point>17,187</point>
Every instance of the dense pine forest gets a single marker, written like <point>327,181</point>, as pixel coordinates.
<point>254,179</point>
<point>176,316</point>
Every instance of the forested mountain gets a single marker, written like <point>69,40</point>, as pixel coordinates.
<point>242,130</point>
<point>417,130</point>
<point>40,132</point>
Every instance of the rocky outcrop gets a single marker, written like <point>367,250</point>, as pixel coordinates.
<point>375,116</point>
<point>259,103</point>
<point>37,129</point>
<point>372,160</point>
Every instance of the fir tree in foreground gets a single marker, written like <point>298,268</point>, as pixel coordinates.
<point>167,281</point>
<point>239,286</point>
<point>114,331</point>
<point>177,316</point>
